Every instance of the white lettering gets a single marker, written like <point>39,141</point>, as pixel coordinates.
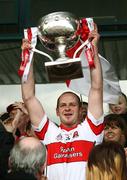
<point>58,156</point>
<point>65,150</point>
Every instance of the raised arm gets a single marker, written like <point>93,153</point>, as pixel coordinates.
<point>34,107</point>
<point>95,99</point>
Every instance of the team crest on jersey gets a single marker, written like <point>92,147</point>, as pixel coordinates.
<point>59,137</point>
<point>67,137</point>
<point>75,134</point>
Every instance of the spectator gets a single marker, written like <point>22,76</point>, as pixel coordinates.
<point>68,146</point>
<point>19,109</point>
<point>84,107</point>
<point>115,129</point>
<point>4,116</point>
<point>107,161</point>
<point>121,107</point>
<point>27,159</point>
<point>6,143</point>
<point>14,119</point>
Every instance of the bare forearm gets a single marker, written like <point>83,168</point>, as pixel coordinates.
<point>95,100</point>
<point>96,73</point>
<point>34,107</point>
<point>28,87</point>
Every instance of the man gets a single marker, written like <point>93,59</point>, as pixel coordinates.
<point>68,146</point>
<point>8,129</point>
<point>27,159</point>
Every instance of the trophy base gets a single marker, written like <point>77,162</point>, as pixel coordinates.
<point>60,71</point>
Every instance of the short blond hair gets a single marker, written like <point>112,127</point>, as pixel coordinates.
<point>69,92</point>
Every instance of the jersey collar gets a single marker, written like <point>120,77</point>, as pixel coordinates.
<point>66,128</point>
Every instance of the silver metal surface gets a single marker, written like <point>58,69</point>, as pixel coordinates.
<point>58,28</point>
<point>58,32</point>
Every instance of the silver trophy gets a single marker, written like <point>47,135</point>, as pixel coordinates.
<point>58,32</point>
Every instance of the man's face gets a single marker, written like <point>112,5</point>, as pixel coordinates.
<point>113,133</point>
<point>119,108</point>
<point>68,110</point>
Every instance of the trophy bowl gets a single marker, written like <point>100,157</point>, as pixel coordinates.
<point>56,27</point>
<point>58,32</point>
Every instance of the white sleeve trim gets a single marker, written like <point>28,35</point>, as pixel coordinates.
<point>41,125</point>
<point>95,121</point>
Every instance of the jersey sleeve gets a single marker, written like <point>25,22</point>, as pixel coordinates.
<point>46,130</point>
<point>96,127</point>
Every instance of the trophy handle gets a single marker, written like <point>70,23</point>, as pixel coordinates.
<point>89,52</point>
<point>79,48</point>
<point>42,53</point>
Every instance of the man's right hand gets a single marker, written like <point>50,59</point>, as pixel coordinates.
<point>26,44</point>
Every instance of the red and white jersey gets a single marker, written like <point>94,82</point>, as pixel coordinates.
<point>68,149</point>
